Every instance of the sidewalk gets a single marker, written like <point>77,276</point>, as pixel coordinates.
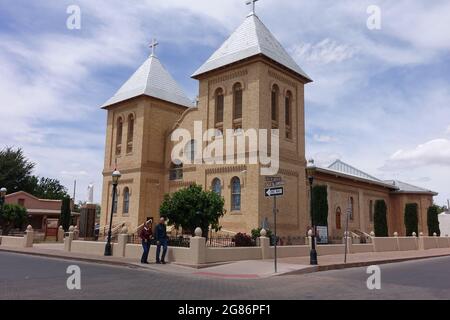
<point>332,262</point>
<point>254,269</point>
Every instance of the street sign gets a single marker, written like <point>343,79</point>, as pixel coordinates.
<point>274,192</point>
<point>272,182</point>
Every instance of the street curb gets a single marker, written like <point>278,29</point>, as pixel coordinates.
<point>307,270</point>
<point>82,259</point>
<point>341,266</point>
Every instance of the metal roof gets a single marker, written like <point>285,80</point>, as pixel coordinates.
<point>250,39</point>
<point>345,170</point>
<point>153,80</point>
<point>340,166</point>
<point>404,187</point>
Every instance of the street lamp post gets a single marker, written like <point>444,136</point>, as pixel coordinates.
<point>115,180</point>
<point>313,252</point>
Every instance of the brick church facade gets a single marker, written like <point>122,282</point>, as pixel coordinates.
<point>249,82</point>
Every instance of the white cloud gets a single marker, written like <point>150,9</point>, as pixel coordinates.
<point>434,152</point>
<point>323,138</point>
<point>325,52</point>
<point>448,130</point>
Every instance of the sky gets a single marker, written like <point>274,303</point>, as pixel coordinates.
<point>380,99</point>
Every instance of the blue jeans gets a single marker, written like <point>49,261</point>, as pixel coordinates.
<point>146,246</point>
<point>162,243</point>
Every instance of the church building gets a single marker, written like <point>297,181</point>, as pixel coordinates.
<point>249,82</point>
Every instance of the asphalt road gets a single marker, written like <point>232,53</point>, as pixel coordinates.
<point>31,277</point>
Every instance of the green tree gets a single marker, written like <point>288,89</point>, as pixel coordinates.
<point>320,205</point>
<point>411,219</point>
<point>380,219</point>
<point>16,175</point>
<point>12,216</point>
<point>192,207</point>
<point>48,188</point>
<point>433,220</point>
<point>16,171</point>
<point>65,213</point>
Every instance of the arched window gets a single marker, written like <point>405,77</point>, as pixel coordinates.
<point>130,133</point>
<point>219,107</point>
<point>237,101</point>
<point>274,106</point>
<point>126,200</point>
<point>217,186</point>
<point>338,218</point>
<point>116,198</point>
<point>190,150</point>
<point>119,135</point>
<point>176,171</point>
<point>371,210</point>
<point>351,208</point>
<point>235,194</point>
<point>288,114</point>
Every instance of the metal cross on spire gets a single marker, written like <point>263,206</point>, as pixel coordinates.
<point>253,3</point>
<point>153,46</point>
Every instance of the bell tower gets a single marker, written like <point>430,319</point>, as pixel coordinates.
<point>251,82</point>
<point>138,118</point>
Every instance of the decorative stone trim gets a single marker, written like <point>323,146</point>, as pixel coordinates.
<point>287,172</point>
<point>228,76</point>
<point>190,169</point>
<point>279,77</point>
<point>227,169</point>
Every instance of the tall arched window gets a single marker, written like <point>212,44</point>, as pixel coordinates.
<point>235,194</point>
<point>288,114</point>
<point>217,186</point>
<point>119,135</point>
<point>126,201</point>
<point>351,208</point>
<point>237,101</point>
<point>219,107</point>
<point>130,133</point>
<point>190,150</point>
<point>115,202</point>
<point>274,106</point>
<point>338,218</point>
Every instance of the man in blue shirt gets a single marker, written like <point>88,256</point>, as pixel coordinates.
<point>161,240</point>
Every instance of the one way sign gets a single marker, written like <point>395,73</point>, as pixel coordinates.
<point>274,192</point>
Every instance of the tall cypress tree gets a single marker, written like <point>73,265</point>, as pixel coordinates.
<point>380,219</point>
<point>411,219</point>
<point>65,213</point>
<point>433,221</point>
<point>320,205</point>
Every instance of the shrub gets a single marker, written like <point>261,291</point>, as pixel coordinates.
<point>380,219</point>
<point>243,240</point>
<point>411,219</point>
<point>433,221</point>
<point>12,216</point>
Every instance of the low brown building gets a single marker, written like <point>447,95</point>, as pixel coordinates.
<point>353,191</point>
<point>38,210</point>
